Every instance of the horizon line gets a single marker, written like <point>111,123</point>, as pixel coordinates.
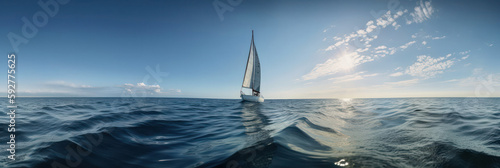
<point>240,98</point>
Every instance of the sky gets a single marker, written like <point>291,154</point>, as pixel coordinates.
<point>307,49</point>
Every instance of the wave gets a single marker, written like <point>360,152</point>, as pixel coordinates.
<point>155,132</point>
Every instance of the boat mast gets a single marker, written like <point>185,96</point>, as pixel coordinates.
<point>253,48</point>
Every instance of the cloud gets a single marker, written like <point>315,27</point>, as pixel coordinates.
<point>141,88</point>
<point>407,45</point>
<point>396,74</point>
<point>352,77</point>
<point>347,78</point>
<point>63,89</point>
<point>369,23</point>
<point>491,45</point>
<point>362,38</point>
<point>381,47</point>
<point>464,52</point>
<point>421,12</point>
<point>395,25</point>
<point>64,84</point>
<point>334,65</point>
<point>361,35</point>
<point>175,90</point>
<point>361,32</point>
<point>370,75</point>
<point>68,89</point>
<point>144,90</point>
<point>428,67</point>
<point>392,50</point>
<point>384,22</point>
<point>438,38</point>
<point>382,51</point>
<point>360,50</point>
<point>424,42</point>
<point>371,27</point>
<point>403,82</point>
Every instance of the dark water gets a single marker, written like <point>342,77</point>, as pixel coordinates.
<point>150,132</point>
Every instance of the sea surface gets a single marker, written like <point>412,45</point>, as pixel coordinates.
<point>168,132</point>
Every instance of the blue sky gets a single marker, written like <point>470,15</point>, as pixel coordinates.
<point>307,49</point>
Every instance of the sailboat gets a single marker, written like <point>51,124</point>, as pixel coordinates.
<point>251,80</point>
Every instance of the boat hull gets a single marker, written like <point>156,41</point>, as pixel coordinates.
<point>252,98</point>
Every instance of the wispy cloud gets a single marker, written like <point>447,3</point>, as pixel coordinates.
<point>396,74</point>
<point>64,84</point>
<point>361,39</point>
<point>362,36</point>
<point>421,12</point>
<point>407,45</point>
<point>464,52</point>
<point>63,88</point>
<point>428,67</point>
<point>381,47</point>
<point>334,65</point>
<point>141,88</point>
<point>174,91</point>
<point>438,38</point>
<point>382,51</point>
<point>352,77</point>
<point>424,35</point>
<point>403,82</point>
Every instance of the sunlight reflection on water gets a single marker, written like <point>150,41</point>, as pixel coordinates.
<point>342,163</point>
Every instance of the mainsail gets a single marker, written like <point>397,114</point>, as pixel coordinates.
<point>252,72</point>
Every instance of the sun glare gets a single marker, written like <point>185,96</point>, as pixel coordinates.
<point>346,99</point>
<point>346,61</point>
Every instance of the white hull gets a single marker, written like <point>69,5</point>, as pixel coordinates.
<point>252,98</point>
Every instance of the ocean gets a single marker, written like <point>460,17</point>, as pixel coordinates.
<point>172,132</point>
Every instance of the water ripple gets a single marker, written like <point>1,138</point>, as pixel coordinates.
<point>161,132</point>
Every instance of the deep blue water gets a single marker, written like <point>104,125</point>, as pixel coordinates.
<point>165,132</point>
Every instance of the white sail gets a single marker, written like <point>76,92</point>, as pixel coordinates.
<point>252,72</point>
<point>247,80</point>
